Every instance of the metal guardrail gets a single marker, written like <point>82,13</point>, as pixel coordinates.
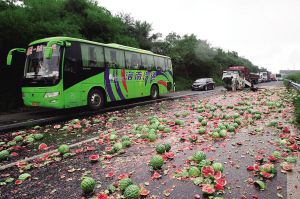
<point>295,85</point>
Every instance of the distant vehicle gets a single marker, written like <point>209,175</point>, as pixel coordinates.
<point>273,77</point>
<point>203,84</point>
<point>263,76</point>
<point>279,77</point>
<point>237,77</point>
<point>254,77</point>
<point>64,72</point>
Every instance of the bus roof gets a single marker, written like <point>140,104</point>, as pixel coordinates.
<point>111,45</point>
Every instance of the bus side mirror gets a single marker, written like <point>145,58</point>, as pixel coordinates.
<point>9,55</point>
<point>48,51</point>
<point>8,60</point>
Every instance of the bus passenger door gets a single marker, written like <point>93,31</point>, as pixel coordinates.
<point>72,76</point>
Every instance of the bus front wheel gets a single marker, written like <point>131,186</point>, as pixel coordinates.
<point>154,92</point>
<point>95,99</point>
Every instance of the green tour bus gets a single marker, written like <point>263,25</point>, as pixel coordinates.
<point>64,72</point>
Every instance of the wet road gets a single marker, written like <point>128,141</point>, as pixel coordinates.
<point>60,177</point>
<point>39,116</point>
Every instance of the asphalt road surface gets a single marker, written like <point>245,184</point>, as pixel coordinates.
<point>56,176</point>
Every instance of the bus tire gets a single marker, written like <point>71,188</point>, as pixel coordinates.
<point>96,99</point>
<point>154,92</point>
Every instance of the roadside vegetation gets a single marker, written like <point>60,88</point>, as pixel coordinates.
<point>24,21</point>
<point>296,78</point>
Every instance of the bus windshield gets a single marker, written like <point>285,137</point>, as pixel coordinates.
<point>38,67</point>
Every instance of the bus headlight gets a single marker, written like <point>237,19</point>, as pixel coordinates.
<point>53,94</point>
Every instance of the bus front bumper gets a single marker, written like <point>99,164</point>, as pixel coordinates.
<point>43,99</point>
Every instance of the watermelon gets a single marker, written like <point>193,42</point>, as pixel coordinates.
<point>43,146</point>
<point>125,138</point>
<point>193,138</point>
<point>286,166</point>
<point>63,149</point>
<point>126,143</point>
<point>30,139</point>
<point>194,172</point>
<point>215,135</point>
<point>200,118</point>
<point>201,130</point>
<point>156,162</point>
<point>262,186</point>
<point>113,137</point>
<point>207,171</point>
<point>18,138</point>
<point>231,128</point>
<point>177,114</point>
<point>236,115</point>
<point>217,130</point>
<point>290,159</point>
<point>117,147</point>
<point>167,147</point>
<point>257,116</point>
<point>161,127</point>
<point>4,154</point>
<point>200,110</point>
<point>167,130</point>
<point>109,150</point>
<point>217,167</point>
<point>151,137</point>
<point>88,185</point>
<point>199,156</point>
<point>24,176</point>
<point>38,136</point>
<point>268,167</point>
<point>221,126</point>
<point>132,192</point>
<point>221,181</point>
<point>203,122</point>
<point>170,155</point>
<point>124,183</point>
<point>12,143</point>
<point>179,122</point>
<point>218,175</point>
<point>94,158</point>
<point>204,163</point>
<point>223,133</point>
<point>208,189</point>
<point>161,148</point>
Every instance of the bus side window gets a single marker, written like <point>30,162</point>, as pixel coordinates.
<point>145,64</point>
<point>169,64</point>
<point>159,63</point>
<point>114,58</point>
<point>165,64</point>
<point>92,56</point>
<point>133,60</point>
<point>152,63</point>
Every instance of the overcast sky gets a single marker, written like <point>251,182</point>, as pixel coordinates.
<point>267,32</point>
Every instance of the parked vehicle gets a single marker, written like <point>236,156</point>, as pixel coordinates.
<point>203,84</point>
